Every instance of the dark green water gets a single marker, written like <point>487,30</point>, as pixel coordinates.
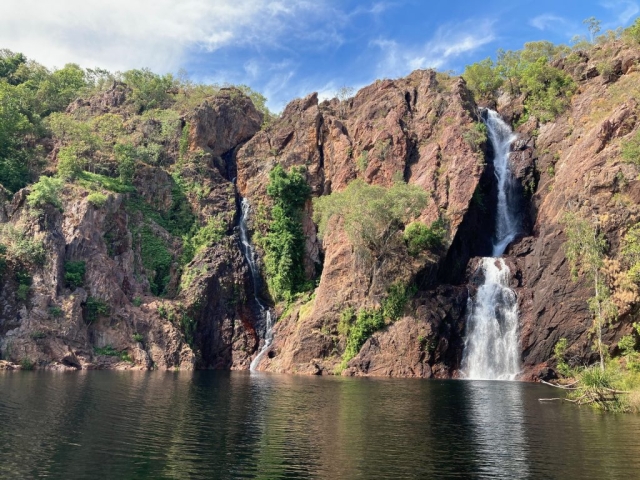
<point>110,425</point>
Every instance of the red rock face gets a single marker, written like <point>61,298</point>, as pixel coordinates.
<point>579,168</point>
<point>417,129</point>
<point>411,129</point>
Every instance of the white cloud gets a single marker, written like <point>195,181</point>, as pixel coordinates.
<point>624,9</point>
<point>121,34</point>
<point>547,21</point>
<point>449,42</point>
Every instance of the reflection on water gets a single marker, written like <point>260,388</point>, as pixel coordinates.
<point>498,429</point>
<point>221,425</point>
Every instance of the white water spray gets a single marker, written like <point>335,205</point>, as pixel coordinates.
<point>491,350</point>
<point>250,255</point>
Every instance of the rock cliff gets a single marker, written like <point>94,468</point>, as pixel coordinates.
<point>142,305</point>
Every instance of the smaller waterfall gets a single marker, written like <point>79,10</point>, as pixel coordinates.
<point>251,257</point>
<point>491,346</point>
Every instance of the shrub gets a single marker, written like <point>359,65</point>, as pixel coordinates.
<point>55,312</point>
<point>20,246</point>
<point>631,149</point>
<point>284,243</point>
<point>24,284</point>
<point>69,162</point>
<point>482,78</point>
<point>157,259</point>
<point>38,335</point>
<point>476,136</point>
<point>559,351</point>
<point>366,323</point>
<point>419,237</point>
<point>126,156</point>
<point>347,316</point>
<point>23,292</point>
<point>138,337</point>
<point>3,260</point>
<point>94,308</point>
<point>97,199</point>
<point>208,235</point>
<point>46,191</point>
<point>27,364</point>
<point>380,213</point>
<point>137,302</point>
<point>74,273</point>
<point>397,297</point>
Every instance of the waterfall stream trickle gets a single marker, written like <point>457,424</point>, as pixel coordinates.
<point>251,257</point>
<point>491,350</point>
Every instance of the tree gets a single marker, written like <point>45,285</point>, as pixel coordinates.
<point>126,155</point>
<point>343,94</point>
<point>593,25</point>
<point>9,64</point>
<point>285,242</point>
<point>69,162</point>
<point>483,78</point>
<point>46,191</point>
<point>372,215</point>
<point>150,90</point>
<point>584,249</point>
<point>14,126</point>
<point>60,88</point>
<point>632,33</point>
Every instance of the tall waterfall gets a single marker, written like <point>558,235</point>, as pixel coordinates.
<point>251,257</point>
<point>491,350</point>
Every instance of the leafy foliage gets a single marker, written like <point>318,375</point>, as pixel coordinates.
<point>632,33</point>
<point>419,237</point>
<point>20,246</point>
<point>631,251</point>
<point>284,242</point>
<point>97,199</point>
<point>46,191</point>
<point>150,90</point>
<point>584,249</point>
<point>483,78</point>
<point>157,259</point>
<point>126,155</point>
<point>208,235</point>
<point>631,149</point>
<point>357,328</point>
<point>547,90</point>
<point>94,308</point>
<point>380,213</point>
<point>74,273</point>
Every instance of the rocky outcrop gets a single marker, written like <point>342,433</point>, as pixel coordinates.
<point>420,129</point>
<point>112,320</point>
<point>222,122</point>
<point>578,168</point>
<point>413,129</point>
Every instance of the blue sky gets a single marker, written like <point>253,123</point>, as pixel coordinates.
<point>288,48</point>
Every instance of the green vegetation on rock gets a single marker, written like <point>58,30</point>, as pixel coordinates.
<point>284,240</point>
<point>528,72</point>
<point>380,214</point>
<point>74,274</point>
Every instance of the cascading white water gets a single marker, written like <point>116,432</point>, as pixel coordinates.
<point>507,221</point>
<point>491,346</point>
<point>250,255</point>
<point>491,350</point>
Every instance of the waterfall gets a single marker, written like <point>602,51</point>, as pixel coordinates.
<point>251,257</point>
<point>491,349</point>
<point>507,219</point>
